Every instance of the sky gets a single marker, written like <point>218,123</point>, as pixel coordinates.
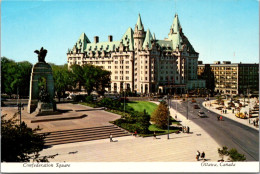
<point>219,30</point>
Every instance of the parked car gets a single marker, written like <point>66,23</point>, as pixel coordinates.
<point>196,107</point>
<point>201,114</point>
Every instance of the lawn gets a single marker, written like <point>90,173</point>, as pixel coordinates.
<point>141,105</point>
<point>158,131</point>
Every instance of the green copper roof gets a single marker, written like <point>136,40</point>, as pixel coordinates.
<point>165,44</point>
<point>154,38</point>
<point>139,23</point>
<point>82,42</point>
<point>148,39</point>
<point>176,40</point>
<point>128,39</point>
<point>176,24</point>
<point>106,46</point>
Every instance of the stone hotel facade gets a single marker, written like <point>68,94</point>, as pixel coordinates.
<point>141,63</point>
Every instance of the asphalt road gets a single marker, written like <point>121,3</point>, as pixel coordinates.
<point>227,132</point>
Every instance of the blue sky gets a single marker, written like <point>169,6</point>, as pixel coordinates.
<point>217,29</point>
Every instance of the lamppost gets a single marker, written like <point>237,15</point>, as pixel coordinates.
<point>168,116</point>
<point>187,116</point>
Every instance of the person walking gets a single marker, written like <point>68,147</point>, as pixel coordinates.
<point>111,137</point>
<point>203,156</point>
<point>218,117</point>
<point>188,129</point>
<point>154,135</point>
<point>197,155</point>
<point>221,118</point>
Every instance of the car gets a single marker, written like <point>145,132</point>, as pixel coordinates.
<point>201,114</point>
<point>196,107</point>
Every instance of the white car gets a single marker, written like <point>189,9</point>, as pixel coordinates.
<point>201,114</point>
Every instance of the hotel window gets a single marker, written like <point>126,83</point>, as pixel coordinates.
<point>109,67</point>
<point>127,72</point>
<point>127,67</point>
<point>127,62</point>
<point>115,67</point>
<point>116,72</point>
<point>116,77</point>
<point>127,78</point>
<point>145,72</point>
<point>146,67</point>
<point>145,78</point>
<point>109,62</point>
<point>116,62</point>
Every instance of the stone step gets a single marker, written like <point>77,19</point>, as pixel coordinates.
<point>84,134</point>
<point>82,139</point>
<point>81,129</point>
<point>76,134</point>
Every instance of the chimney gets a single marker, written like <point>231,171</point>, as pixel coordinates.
<point>110,38</point>
<point>96,39</point>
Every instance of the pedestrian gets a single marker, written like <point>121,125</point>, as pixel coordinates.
<point>197,155</point>
<point>203,156</point>
<point>111,137</point>
<point>154,135</point>
<point>135,133</point>
<point>188,129</point>
<point>218,117</point>
<point>254,122</point>
<point>221,118</point>
<point>175,116</point>
<point>225,111</point>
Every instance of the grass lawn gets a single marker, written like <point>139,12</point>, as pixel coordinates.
<point>141,105</point>
<point>153,128</point>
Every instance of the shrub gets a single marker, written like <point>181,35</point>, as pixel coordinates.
<point>89,99</point>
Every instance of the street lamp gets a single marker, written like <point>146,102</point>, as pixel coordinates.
<point>187,116</point>
<point>168,116</point>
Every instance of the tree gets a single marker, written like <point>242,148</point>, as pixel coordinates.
<point>15,77</point>
<point>160,115</point>
<point>91,77</point>
<point>20,143</point>
<point>103,80</point>
<point>77,74</point>
<point>232,154</point>
<point>62,79</point>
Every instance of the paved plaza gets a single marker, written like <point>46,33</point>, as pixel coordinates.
<point>179,148</point>
<point>95,117</point>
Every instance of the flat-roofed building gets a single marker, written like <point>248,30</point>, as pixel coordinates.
<point>232,78</point>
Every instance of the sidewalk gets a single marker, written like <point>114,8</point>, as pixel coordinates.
<point>229,113</point>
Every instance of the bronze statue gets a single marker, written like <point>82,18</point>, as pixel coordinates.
<point>41,54</point>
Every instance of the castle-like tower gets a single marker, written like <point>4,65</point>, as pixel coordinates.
<point>141,63</point>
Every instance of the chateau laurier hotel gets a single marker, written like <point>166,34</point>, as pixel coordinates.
<point>141,63</point>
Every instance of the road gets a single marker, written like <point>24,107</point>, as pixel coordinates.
<point>227,132</point>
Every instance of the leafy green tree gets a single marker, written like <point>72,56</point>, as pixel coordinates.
<point>20,143</point>
<point>63,79</point>
<point>160,115</point>
<point>8,72</point>
<point>103,80</point>
<point>91,77</point>
<point>78,75</point>
<point>232,154</point>
<point>15,77</point>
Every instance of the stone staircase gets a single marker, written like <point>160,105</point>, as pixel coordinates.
<point>84,134</point>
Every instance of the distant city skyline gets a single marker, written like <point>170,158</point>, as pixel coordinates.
<point>219,30</point>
